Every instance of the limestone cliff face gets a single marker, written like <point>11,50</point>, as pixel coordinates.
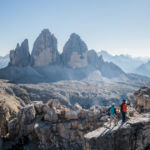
<point>94,59</point>
<point>20,56</point>
<point>75,52</point>
<point>45,50</point>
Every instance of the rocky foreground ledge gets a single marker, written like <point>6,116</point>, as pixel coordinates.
<point>133,135</point>
<point>53,126</point>
<point>50,126</point>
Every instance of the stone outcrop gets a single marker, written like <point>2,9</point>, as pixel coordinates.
<point>133,135</point>
<point>142,99</point>
<point>75,52</point>
<point>45,50</point>
<point>9,107</point>
<point>54,126</point>
<point>20,57</point>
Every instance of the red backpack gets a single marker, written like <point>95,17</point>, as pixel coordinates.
<point>124,108</point>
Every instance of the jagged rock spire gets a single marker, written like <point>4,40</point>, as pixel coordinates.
<point>45,49</point>
<point>20,56</point>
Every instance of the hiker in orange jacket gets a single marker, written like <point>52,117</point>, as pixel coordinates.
<point>123,110</point>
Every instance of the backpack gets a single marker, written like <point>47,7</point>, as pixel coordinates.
<point>124,107</point>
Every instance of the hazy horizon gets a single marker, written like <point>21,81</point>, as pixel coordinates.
<point>119,27</point>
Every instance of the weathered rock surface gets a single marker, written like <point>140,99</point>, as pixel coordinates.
<point>66,131</point>
<point>75,128</point>
<point>45,50</point>
<point>142,99</point>
<point>133,135</point>
<point>8,110</point>
<point>10,105</point>
<point>20,57</point>
<point>51,125</point>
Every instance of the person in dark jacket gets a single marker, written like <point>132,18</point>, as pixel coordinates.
<point>123,109</point>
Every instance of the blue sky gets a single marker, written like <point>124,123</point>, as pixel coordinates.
<point>118,26</point>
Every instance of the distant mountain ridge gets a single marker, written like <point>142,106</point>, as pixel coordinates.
<point>46,64</point>
<point>144,69</point>
<point>128,63</point>
<point>4,60</point>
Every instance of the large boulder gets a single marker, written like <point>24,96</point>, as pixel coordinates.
<point>142,99</point>
<point>71,115</point>
<point>75,52</point>
<point>9,108</point>
<point>45,50</point>
<point>20,57</point>
<point>51,116</point>
<point>27,114</point>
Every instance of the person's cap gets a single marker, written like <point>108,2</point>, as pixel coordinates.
<point>113,104</point>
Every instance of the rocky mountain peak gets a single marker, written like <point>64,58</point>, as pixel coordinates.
<point>74,52</point>
<point>75,43</point>
<point>45,31</point>
<point>25,45</point>
<point>45,49</point>
<point>75,36</point>
<point>20,56</point>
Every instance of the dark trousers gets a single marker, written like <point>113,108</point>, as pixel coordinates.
<point>123,116</point>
